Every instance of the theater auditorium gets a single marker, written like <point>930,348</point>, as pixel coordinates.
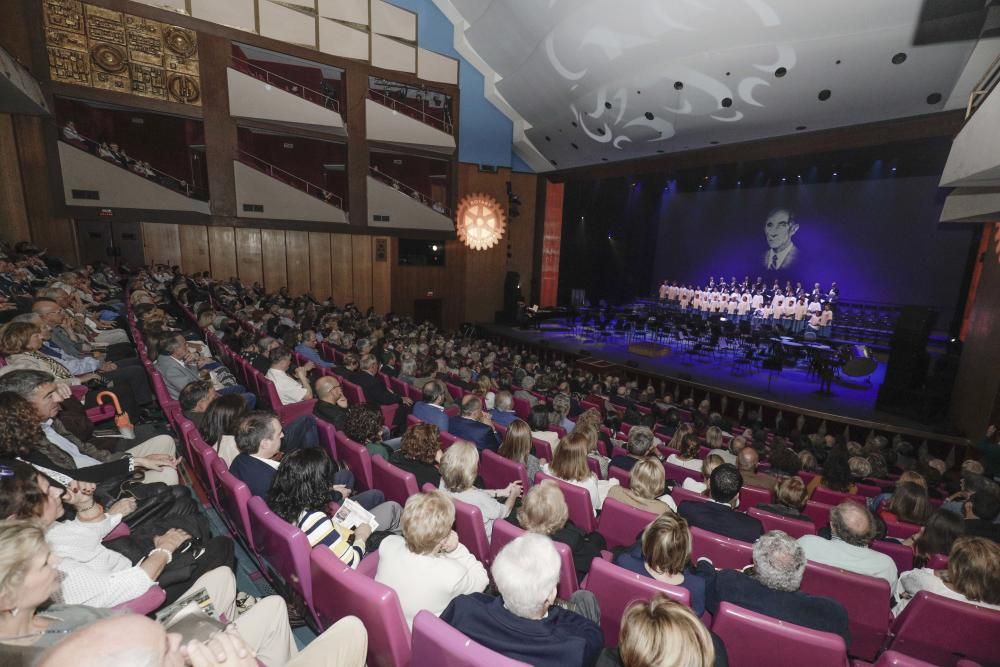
<point>468,333</point>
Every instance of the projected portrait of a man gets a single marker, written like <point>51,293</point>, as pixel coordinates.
<point>779,228</point>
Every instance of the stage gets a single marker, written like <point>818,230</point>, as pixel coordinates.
<point>795,386</point>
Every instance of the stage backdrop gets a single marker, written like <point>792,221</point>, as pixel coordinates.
<point>878,239</point>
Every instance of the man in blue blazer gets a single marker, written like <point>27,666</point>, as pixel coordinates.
<point>719,517</point>
<point>258,437</point>
<point>474,425</point>
<point>503,412</point>
<point>431,409</point>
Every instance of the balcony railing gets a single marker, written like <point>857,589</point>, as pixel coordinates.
<point>291,179</point>
<point>411,111</point>
<point>121,158</point>
<point>410,192</point>
<point>285,84</point>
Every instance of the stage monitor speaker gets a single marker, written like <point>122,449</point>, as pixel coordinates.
<point>908,358</point>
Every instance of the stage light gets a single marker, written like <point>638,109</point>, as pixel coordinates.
<point>434,248</point>
<point>722,319</point>
<point>894,170</point>
<point>739,182</point>
<point>783,179</point>
<point>834,174</point>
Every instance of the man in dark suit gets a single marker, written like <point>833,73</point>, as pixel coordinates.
<point>474,425</point>
<point>431,409</point>
<point>719,517</point>
<point>773,588</point>
<point>376,392</point>
<point>195,399</point>
<point>503,411</point>
<point>981,511</point>
<point>331,404</point>
<point>258,437</point>
<point>639,446</point>
<point>622,398</point>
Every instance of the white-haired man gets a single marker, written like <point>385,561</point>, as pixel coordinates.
<point>523,624</point>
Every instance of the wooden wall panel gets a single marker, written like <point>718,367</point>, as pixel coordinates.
<point>343,268</point>
<point>320,265</point>
<point>297,259</point>
<point>222,251</point>
<point>361,251</point>
<point>194,248</point>
<point>13,209</point>
<point>447,283</point>
<point>161,243</point>
<point>249,263</point>
<point>272,242</point>
<point>382,274</point>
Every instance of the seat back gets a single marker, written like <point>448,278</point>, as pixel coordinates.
<point>354,393</point>
<point>285,548</point>
<point>505,532</point>
<point>397,386</point>
<point>147,603</point>
<point>455,391</point>
<point>204,456</point>
<point>866,600</point>
<point>794,527</point>
<point>581,511</point>
<point>357,458</point>
<point>894,659</point>
<point>396,484</point>
<point>754,640</point>
<point>327,437</point>
<point>900,529</point>
<point>497,472</point>
<point>623,476</point>
<point>825,495</point>
<point>472,531</point>
<point>680,494</point>
<point>680,473</point>
<point>522,408</point>
<point>620,524</point>
<point>751,496</point>
<point>616,588</point>
<point>233,498</point>
<point>940,631</point>
<point>447,439</point>
<point>724,552</point>
<point>339,591</point>
<point>542,449</point>
<point>901,554</point>
<point>437,643</point>
<point>818,512</point>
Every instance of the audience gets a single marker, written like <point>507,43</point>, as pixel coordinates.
<point>538,420</point>
<point>646,488</point>
<point>746,462</point>
<point>516,447</point>
<point>720,516</point>
<point>503,410</point>
<point>943,527</point>
<point>544,511</point>
<point>431,408</point>
<point>981,512</point>
<point>219,424</point>
<point>569,464</point>
<point>852,529</point>
<point>972,576</point>
<point>331,404</point>
<point>640,445</point>
<point>687,456</point>
<point>789,499</point>
<point>662,633</point>
<point>474,425</point>
<point>711,462</point>
<point>420,454</point>
<point>459,467</point>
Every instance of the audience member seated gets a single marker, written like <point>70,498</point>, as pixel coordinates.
<point>220,423</point>
<point>544,511</point>
<point>503,411</point>
<point>711,462</point>
<point>589,431</point>
<point>538,420</point>
<point>474,425</point>
<point>640,445</point>
<point>713,440</point>
<point>420,454</point>
<point>62,452</point>
<point>647,485</point>
<point>290,390</point>
<point>852,529</point>
<point>527,384</point>
<point>459,467</point>
<point>526,572</point>
<point>301,496</point>
<point>331,404</point>
<point>517,448</point>
<point>663,632</point>
<point>720,516</point>
<point>772,587</point>
<point>688,453</point>
<point>431,408</point>
<point>307,348</point>
<point>569,463</point>
<point>981,512</point>
<point>836,473</point>
<point>746,462</point>
<point>364,426</point>
<point>195,400</point>
<point>375,390</point>
<point>789,499</point>
<point>664,553</point>
<point>937,536</point>
<point>908,504</point>
<point>91,573</point>
<point>427,566</point>
<point>972,576</point>
<point>561,404</point>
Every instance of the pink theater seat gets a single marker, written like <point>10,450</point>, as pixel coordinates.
<point>505,532</point>
<point>437,643</point>
<point>680,473</point>
<point>866,600</point>
<point>595,467</point>
<point>724,552</point>
<point>327,437</point>
<point>624,477</point>
<point>447,439</point>
<point>621,524</point>
<point>828,497</point>
<point>455,391</point>
<point>751,496</point>
<point>818,512</point>
<point>470,528</point>
<point>233,498</point>
<point>938,562</point>
<point>901,554</point>
<point>354,393</point>
<point>522,408</point>
<point>396,484</point>
<point>147,603</point>
<point>339,591</point>
<point>369,564</point>
<point>285,549</point>
<point>497,472</point>
<point>755,640</point>
<point>389,414</point>
<point>543,449</point>
<point>204,457</point>
<point>794,527</point>
<point>894,659</point>
<point>412,421</point>
<point>357,458</point>
<point>616,588</point>
<point>581,512</point>
<point>680,494</point>
<point>941,631</point>
<point>900,529</point>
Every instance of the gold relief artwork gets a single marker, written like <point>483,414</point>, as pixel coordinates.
<point>97,47</point>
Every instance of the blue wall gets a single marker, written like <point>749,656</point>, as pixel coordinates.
<point>485,133</point>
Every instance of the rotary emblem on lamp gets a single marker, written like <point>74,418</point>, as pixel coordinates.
<point>480,221</point>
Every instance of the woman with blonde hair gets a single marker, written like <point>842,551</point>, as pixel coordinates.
<point>459,467</point>
<point>711,462</point>
<point>486,390</point>
<point>544,511</point>
<point>664,633</point>
<point>713,438</point>
<point>516,447</point>
<point>688,456</point>
<point>569,464</point>
<point>603,462</point>
<point>664,554</point>
<point>427,566</point>
<point>646,488</point>
<point>972,576</point>
<point>21,342</point>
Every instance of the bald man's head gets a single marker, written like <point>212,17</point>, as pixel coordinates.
<point>852,523</point>
<point>121,641</point>
<point>328,389</point>
<point>747,459</point>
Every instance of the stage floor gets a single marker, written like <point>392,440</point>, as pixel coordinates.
<point>794,386</point>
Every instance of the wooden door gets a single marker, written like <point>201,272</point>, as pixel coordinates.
<point>94,241</point>
<point>127,239</point>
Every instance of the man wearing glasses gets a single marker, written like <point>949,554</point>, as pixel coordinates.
<point>779,229</point>
<point>331,404</point>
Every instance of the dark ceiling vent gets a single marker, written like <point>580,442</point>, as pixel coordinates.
<point>253,208</point>
<point>86,194</point>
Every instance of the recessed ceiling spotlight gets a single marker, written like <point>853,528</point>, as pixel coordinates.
<point>604,159</point>
<point>548,138</point>
<point>573,123</point>
<point>607,105</point>
<point>824,95</point>
<point>838,62</point>
<point>894,170</point>
<point>649,115</point>
<point>933,98</point>
<point>575,146</point>
<point>899,58</point>
<point>678,85</point>
<point>780,72</point>
<point>727,102</point>
<point>554,163</point>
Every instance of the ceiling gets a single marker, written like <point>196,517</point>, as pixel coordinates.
<point>592,81</point>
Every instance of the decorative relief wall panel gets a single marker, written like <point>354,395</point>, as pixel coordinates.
<point>100,48</point>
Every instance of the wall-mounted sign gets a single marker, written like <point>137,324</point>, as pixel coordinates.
<point>480,222</point>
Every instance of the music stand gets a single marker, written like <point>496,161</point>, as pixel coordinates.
<point>772,365</point>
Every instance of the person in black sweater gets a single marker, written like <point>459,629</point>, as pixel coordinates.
<point>420,453</point>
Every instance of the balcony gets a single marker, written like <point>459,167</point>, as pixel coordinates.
<point>392,203</point>
<point>266,191</point>
<point>394,121</point>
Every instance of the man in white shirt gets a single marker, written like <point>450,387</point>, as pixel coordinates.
<point>290,390</point>
<point>852,528</point>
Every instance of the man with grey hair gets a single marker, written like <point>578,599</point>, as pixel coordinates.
<point>503,408</point>
<point>852,528</point>
<point>772,587</point>
<point>474,425</point>
<point>639,446</point>
<point>523,624</point>
<point>527,384</point>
